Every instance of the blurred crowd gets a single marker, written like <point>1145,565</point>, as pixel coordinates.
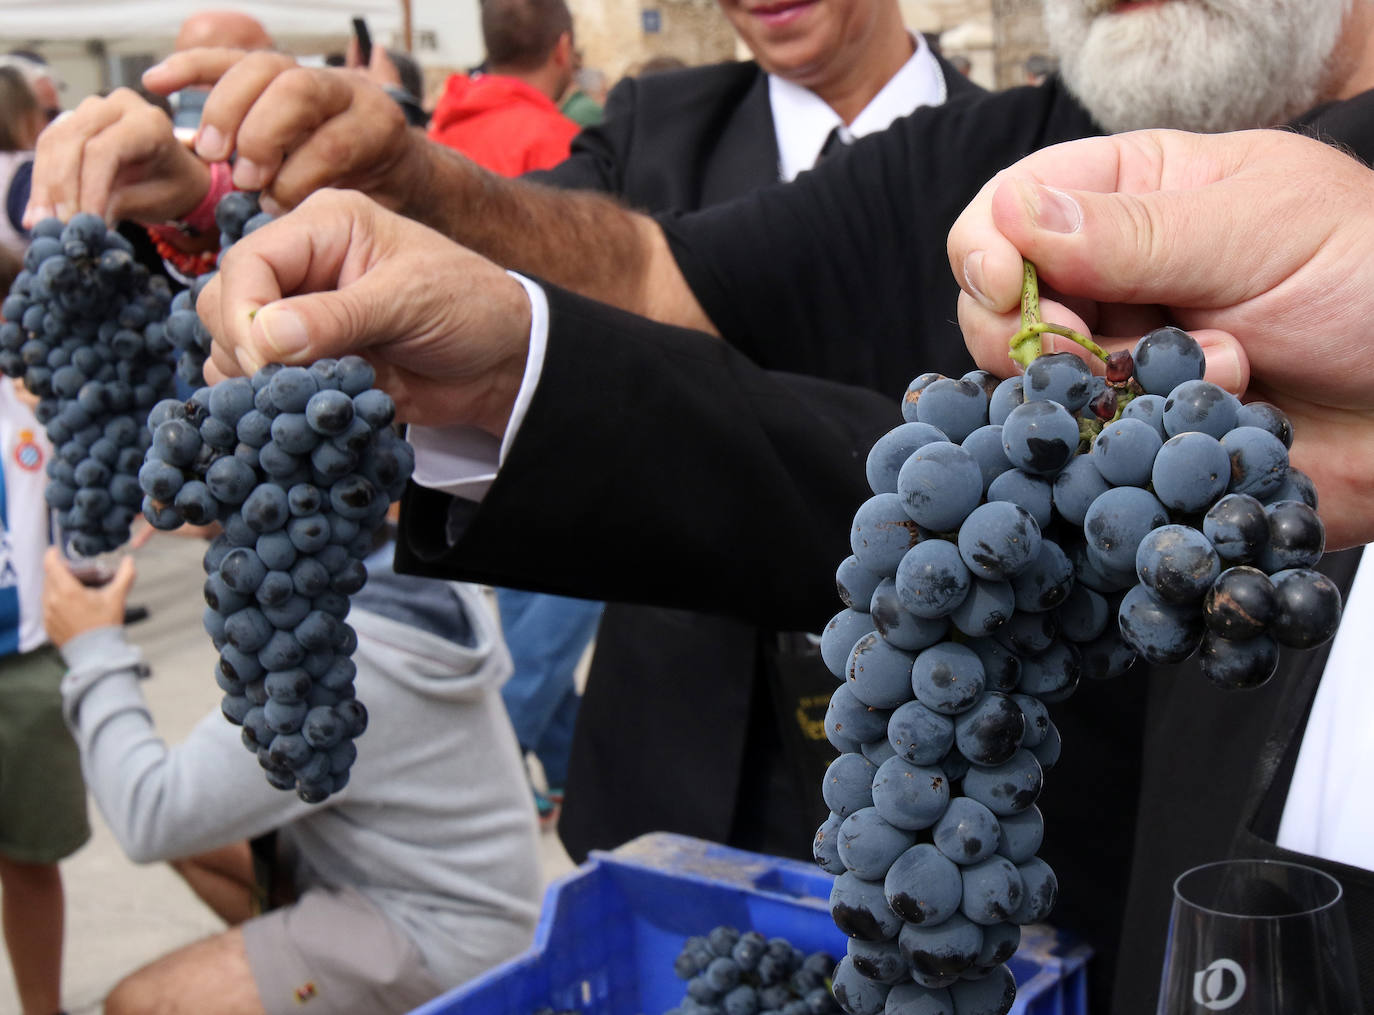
<point>660,504</point>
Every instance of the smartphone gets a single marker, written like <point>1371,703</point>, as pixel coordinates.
<point>364,38</point>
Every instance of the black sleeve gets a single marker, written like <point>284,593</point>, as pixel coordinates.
<point>660,465</point>
<point>843,273</point>
<point>598,154</point>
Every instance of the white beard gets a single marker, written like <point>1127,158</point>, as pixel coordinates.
<point>1199,65</point>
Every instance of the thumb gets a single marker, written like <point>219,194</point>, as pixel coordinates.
<point>1154,247</point>
<point>123,579</point>
<point>302,329</point>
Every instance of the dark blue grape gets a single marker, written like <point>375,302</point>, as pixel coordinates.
<point>898,626</point>
<point>1200,406</point>
<point>1177,564</point>
<point>913,999</point>
<point>918,734</point>
<point>1118,520</point>
<point>1297,537</point>
<point>987,607</point>
<point>892,450</point>
<point>1237,528</point>
<point>967,832</point>
<point>1033,493</point>
<point>1166,358</point>
<point>1238,665</point>
<point>1059,377</point>
<point>948,678</point>
<point>1259,461</point>
<point>1040,437</point>
<point>993,893</point>
<point>837,639</point>
<point>860,908</point>
<point>939,485</point>
<point>1076,487</point>
<point>923,886</point>
<point>907,796</point>
<point>991,730</point>
<point>878,960</point>
<point>1309,608</point>
<point>955,407</point>
<point>1041,890</point>
<point>878,674</point>
<point>931,579</point>
<point>999,540</point>
<point>868,844</point>
<point>848,784</point>
<point>1009,788</point>
<point>1161,633</point>
<point>985,445</point>
<point>825,848</point>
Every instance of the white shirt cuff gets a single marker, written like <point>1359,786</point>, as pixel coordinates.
<point>462,461</point>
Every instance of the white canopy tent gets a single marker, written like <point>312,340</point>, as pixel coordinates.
<point>71,20</point>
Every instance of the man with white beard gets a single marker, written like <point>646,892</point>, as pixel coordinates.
<point>841,275</point>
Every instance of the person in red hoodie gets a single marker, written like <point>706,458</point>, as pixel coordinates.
<point>505,118</point>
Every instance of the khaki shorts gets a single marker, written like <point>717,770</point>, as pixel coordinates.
<point>42,794</point>
<point>334,953</point>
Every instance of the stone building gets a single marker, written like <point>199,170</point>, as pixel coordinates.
<point>617,35</point>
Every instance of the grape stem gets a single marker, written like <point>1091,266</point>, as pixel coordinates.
<point>1025,344</point>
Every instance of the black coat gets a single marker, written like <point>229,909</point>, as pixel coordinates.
<point>735,765</point>
<point>731,487</point>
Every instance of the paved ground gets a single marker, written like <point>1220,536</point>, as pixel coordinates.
<point>120,915</point>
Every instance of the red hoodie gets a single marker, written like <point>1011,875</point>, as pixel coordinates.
<point>501,123</point>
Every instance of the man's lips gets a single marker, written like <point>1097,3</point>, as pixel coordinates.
<point>782,12</point>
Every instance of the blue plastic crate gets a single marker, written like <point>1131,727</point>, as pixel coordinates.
<point>609,933</point>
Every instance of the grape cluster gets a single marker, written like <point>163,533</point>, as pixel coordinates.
<point>84,330</point>
<point>237,214</point>
<point>299,466</point>
<point>729,973</point>
<point>1012,522</point>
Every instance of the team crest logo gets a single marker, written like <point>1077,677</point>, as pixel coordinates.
<point>27,453</point>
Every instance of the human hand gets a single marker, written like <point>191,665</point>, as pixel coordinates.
<point>71,608</point>
<point>115,157</point>
<point>1261,243</point>
<point>296,129</point>
<point>446,330</point>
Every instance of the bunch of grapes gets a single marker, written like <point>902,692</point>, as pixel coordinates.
<point>299,466</point>
<point>1023,535</point>
<point>237,214</point>
<point>84,330</point>
<point>729,973</point>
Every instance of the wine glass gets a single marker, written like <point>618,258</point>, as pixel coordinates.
<point>1258,937</point>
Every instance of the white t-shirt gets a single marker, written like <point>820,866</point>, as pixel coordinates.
<point>24,537</point>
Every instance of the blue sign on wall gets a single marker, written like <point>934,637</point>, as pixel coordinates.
<point>651,21</point>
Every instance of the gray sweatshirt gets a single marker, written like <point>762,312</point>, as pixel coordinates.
<point>436,825</point>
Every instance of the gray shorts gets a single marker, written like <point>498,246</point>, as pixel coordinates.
<point>333,952</point>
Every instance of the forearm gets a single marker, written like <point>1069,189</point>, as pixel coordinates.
<point>582,241</point>
<point>152,797</point>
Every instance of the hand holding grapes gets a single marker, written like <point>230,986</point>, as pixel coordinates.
<point>295,129</point>
<point>446,330</point>
<point>1255,241</point>
<point>117,158</point>
<point>71,608</point>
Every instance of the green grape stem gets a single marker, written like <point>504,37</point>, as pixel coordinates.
<point>1025,344</point>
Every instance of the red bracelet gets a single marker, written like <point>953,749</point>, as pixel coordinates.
<point>202,217</point>
<point>186,265</point>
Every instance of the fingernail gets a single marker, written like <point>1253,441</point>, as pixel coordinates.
<point>1049,208</point>
<point>210,144</point>
<point>64,211</point>
<point>269,205</point>
<point>36,214</point>
<point>1223,364</point>
<point>284,331</point>
<point>248,175</point>
<point>973,277</point>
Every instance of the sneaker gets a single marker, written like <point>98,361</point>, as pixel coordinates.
<point>548,805</point>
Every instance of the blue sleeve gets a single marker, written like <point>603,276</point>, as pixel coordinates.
<point>18,197</point>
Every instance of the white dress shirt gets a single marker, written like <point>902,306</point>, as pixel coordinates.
<point>802,121</point>
<point>1329,812</point>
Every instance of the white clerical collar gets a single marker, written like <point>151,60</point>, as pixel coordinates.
<point>802,121</point>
